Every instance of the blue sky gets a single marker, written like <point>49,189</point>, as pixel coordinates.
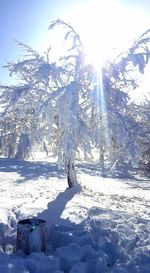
<point>28,21</point>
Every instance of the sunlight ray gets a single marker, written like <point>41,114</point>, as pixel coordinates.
<point>101,102</point>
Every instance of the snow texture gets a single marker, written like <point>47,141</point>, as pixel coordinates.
<point>101,227</point>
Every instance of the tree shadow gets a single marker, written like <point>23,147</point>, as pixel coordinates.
<point>52,215</point>
<point>123,171</point>
<point>133,177</point>
<point>88,168</point>
<point>106,240</point>
<point>30,170</point>
<point>109,234</point>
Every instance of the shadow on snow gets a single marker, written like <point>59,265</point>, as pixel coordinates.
<point>123,171</point>
<point>106,240</point>
<point>30,170</point>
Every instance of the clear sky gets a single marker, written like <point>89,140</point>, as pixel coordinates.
<point>28,21</point>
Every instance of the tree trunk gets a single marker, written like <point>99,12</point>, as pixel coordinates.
<point>101,158</point>
<point>70,171</point>
<point>23,147</point>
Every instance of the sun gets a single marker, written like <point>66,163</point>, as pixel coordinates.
<point>96,22</point>
<point>106,27</point>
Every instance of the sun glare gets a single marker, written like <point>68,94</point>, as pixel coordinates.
<point>93,21</point>
<point>106,27</point>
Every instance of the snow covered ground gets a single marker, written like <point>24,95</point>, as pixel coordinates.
<point>102,226</point>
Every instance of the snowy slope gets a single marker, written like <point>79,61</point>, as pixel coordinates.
<point>102,227</point>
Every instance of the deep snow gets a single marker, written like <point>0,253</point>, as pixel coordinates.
<point>102,226</point>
